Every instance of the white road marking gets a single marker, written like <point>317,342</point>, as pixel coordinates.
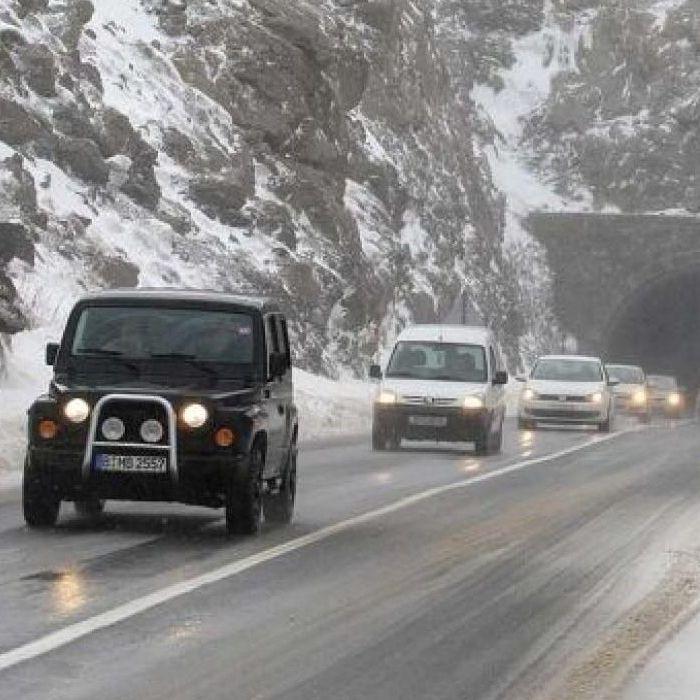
<point>71,633</point>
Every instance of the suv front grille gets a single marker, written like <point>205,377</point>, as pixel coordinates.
<point>428,400</point>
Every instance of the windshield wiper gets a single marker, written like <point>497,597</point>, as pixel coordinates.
<point>187,359</point>
<point>109,354</point>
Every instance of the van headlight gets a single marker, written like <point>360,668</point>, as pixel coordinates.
<point>639,397</point>
<point>473,402</point>
<point>386,396</point>
<point>595,397</point>
<point>528,395</point>
<point>674,399</point>
<point>76,410</point>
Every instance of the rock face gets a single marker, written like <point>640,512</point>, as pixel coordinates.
<point>626,124</point>
<point>322,152</point>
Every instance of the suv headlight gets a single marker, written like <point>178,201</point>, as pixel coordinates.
<point>194,415</point>
<point>473,402</point>
<point>639,397</point>
<point>595,397</point>
<point>386,396</point>
<point>674,399</point>
<point>76,410</point>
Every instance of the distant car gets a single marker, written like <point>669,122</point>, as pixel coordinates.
<point>632,394</point>
<point>665,395</point>
<point>567,389</point>
<point>442,383</point>
<point>166,395</point>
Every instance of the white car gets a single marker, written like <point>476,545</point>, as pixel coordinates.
<point>442,383</point>
<point>567,389</point>
<point>631,394</point>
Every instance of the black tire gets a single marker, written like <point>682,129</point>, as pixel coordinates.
<point>378,440</point>
<point>497,440</point>
<point>244,500</point>
<point>91,507</point>
<point>279,507</point>
<point>482,443</point>
<point>606,425</point>
<point>40,502</point>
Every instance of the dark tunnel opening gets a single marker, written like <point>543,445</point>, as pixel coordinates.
<point>660,329</point>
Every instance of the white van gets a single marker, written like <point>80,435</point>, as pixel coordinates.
<point>443,383</point>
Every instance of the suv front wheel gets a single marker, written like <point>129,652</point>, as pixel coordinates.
<point>244,497</point>
<point>40,503</point>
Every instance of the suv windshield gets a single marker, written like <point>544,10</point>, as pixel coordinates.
<point>438,361</point>
<point>626,374</point>
<point>159,333</point>
<point>568,370</point>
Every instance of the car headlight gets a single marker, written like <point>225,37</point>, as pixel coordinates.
<point>76,410</point>
<point>473,402</point>
<point>386,396</point>
<point>528,394</point>
<point>194,415</point>
<point>596,397</point>
<point>639,397</point>
<point>674,399</point>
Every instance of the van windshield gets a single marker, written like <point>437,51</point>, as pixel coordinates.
<point>438,362</point>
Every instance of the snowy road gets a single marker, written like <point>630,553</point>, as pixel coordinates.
<point>516,578</point>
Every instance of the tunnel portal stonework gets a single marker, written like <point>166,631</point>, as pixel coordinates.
<point>601,263</point>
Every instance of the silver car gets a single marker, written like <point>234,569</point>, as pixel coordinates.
<point>567,389</point>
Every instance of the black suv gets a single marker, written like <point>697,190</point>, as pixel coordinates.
<point>166,395</point>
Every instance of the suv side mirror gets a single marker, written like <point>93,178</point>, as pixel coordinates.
<point>51,353</point>
<point>375,372</point>
<point>500,377</point>
<point>278,364</point>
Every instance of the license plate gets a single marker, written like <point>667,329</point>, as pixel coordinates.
<point>131,463</point>
<point>428,421</point>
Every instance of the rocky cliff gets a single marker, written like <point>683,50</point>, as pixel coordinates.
<point>324,152</point>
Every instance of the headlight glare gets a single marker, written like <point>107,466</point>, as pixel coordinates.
<point>473,402</point>
<point>76,410</point>
<point>386,396</point>
<point>194,415</point>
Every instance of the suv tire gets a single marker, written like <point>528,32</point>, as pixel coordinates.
<point>244,499</point>
<point>606,425</point>
<point>279,507</point>
<point>40,503</point>
<point>497,440</point>
<point>483,441</point>
<point>91,507</point>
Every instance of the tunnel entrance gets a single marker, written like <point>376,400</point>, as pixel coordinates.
<point>659,328</point>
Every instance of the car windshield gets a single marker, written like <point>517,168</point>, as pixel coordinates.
<point>626,374</point>
<point>565,370</point>
<point>438,361</point>
<point>159,333</point>
<point>661,382</point>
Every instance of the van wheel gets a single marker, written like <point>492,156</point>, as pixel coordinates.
<point>378,439</point>
<point>40,503</point>
<point>497,440</point>
<point>91,507</point>
<point>244,498</point>
<point>279,508</point>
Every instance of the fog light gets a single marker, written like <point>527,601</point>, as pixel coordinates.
<point>47,429</point>
<point>113,428</point>
<point>224,437</point>
<point>76,410</point>
<point>151,430</point>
